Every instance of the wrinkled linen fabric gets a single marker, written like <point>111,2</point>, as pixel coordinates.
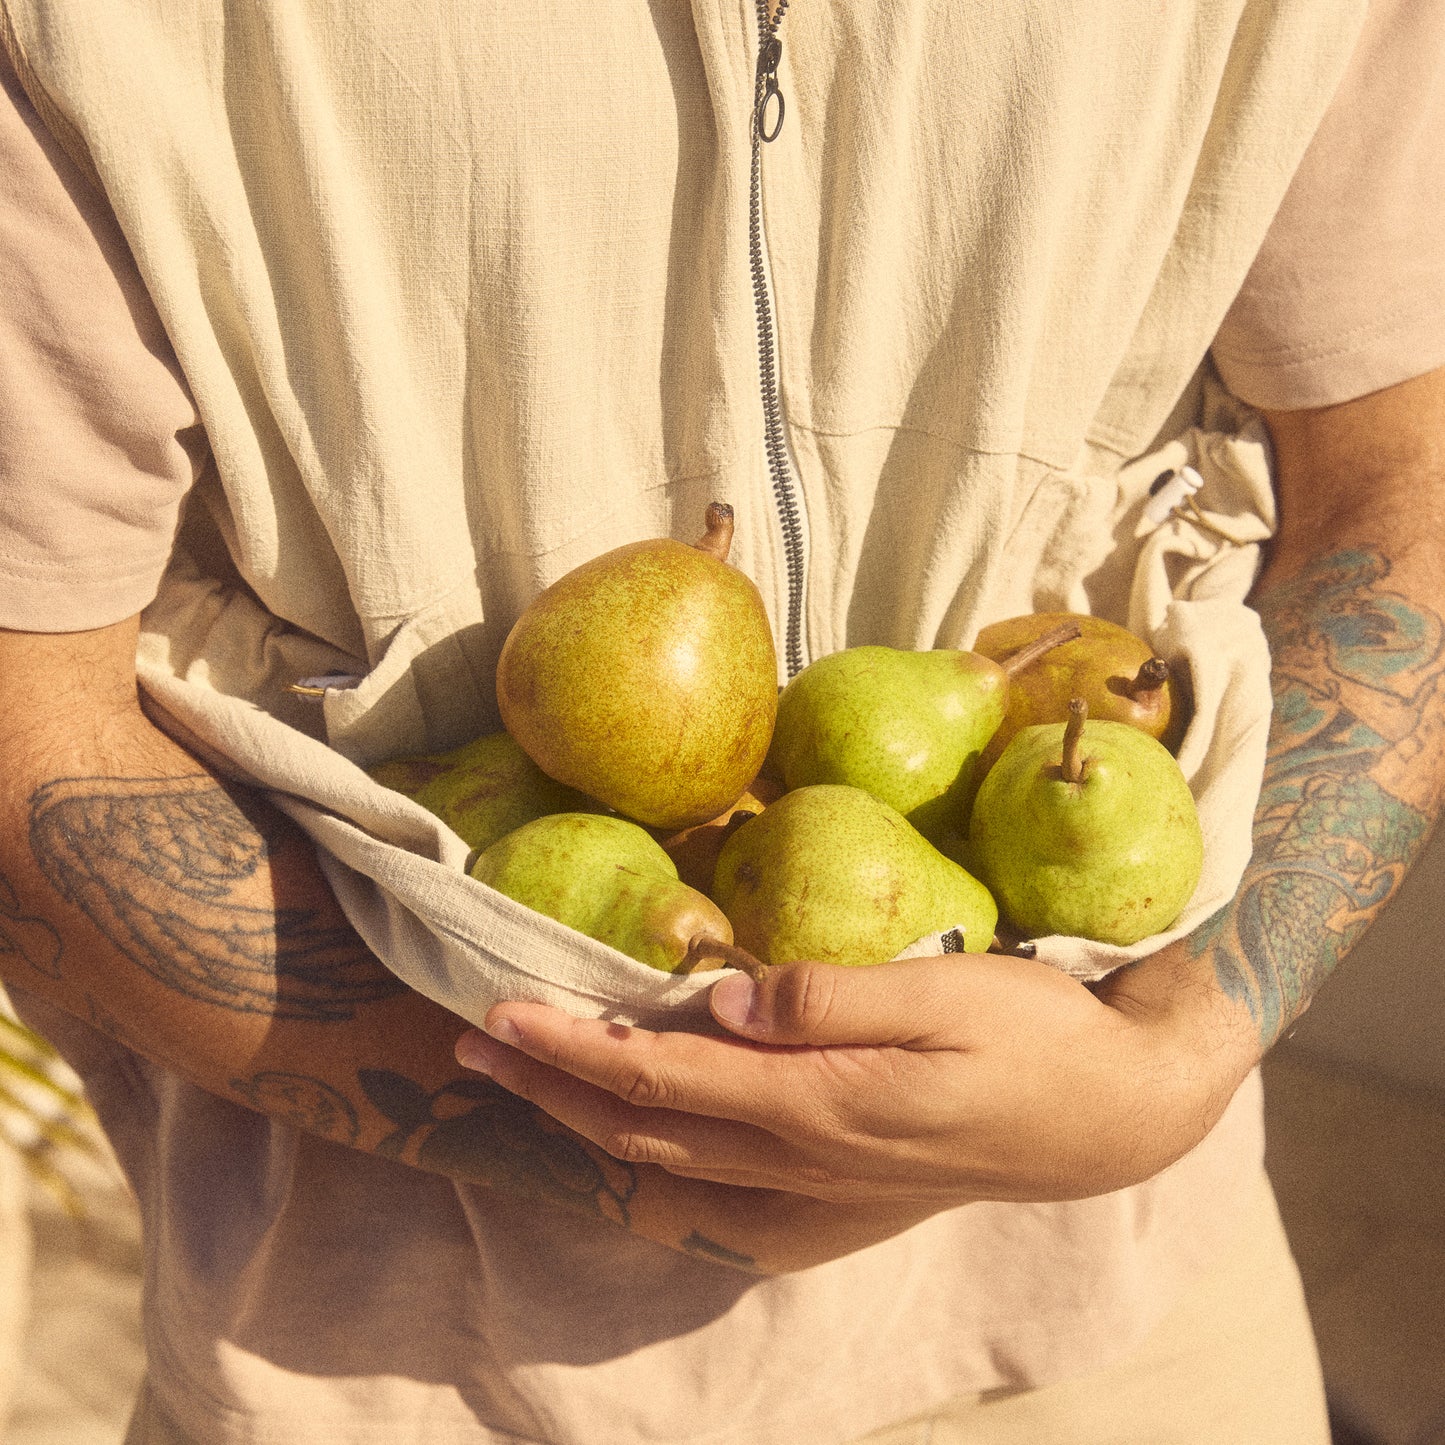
<point>461,305</point>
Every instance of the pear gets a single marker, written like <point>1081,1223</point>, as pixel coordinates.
<point>611,880</point>
<point>694,851</point>
<point>1087,828</point>
<point>481,790</point>
<point>646,678</point>
<point>1112,669</point>
<point>830,873</point>
<point>907,727</point>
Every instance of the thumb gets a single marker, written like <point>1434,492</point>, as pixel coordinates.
<point>886,1004</point>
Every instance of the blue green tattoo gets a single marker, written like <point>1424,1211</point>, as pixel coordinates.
<point>1342,813</point>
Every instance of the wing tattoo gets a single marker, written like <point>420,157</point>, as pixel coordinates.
<point>32,938</point>
<point>161,866</point>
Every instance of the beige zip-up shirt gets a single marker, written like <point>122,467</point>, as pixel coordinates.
<point>459,304</point>
<point>99,438</point>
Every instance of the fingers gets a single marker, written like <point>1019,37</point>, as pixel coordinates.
<point>716,1151</point>
<point>911,1003</point>
<point>956,1001</point>
<point>633,1134</point>
<point>721,1077</point>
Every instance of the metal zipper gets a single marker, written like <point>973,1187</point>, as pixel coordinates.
<point>768,112</point>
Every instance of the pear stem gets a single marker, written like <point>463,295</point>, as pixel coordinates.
<point>1072,766</point>
<point>719,535</point>
<point>1045,642</point>
<point>703,946</point>
<point>1148,682</point>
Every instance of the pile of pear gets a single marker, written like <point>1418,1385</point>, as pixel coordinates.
<point>652,788</point>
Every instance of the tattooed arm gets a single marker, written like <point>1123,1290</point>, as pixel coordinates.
<point>1352,602</point>
<point>188,919</point>
<point>999,1078</point>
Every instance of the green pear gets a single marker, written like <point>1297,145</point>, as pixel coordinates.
<point>1087,828</point>
<point>1112,669</point>
<point>647,678</point>
<point>832,874</point>
<point>481,790</point>
<point>907,727</point>
<point>611,880</point>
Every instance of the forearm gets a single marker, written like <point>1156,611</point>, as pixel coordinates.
<point>1351,604</point>
<point>188,919</point>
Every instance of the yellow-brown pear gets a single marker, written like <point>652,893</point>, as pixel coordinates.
<point>647,678</point>
<point>1112,669</point>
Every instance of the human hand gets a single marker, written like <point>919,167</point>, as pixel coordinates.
<point>935,1080</point>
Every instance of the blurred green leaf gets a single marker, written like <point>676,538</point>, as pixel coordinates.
<point>43,1115</point>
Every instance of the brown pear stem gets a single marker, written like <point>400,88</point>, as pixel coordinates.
<point>719,535</point>
<point>1149,680</point>
<point>1072,766</point>
<point>1044,642</point>
<point>704,946</point>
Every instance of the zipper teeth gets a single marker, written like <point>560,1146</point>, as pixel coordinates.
<point>775,442</point>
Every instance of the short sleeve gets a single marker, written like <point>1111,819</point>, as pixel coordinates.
<point>1348,293</point>
<point>99,438</point>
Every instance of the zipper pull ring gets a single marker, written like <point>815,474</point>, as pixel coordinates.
<point>768,57</point>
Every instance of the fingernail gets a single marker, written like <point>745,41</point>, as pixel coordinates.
<point>734,1000</point>
<point>471,1052</point>
<point>504,1031</point>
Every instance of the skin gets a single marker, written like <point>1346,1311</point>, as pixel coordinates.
<point>937,1080</point>
<point>188,920</point>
